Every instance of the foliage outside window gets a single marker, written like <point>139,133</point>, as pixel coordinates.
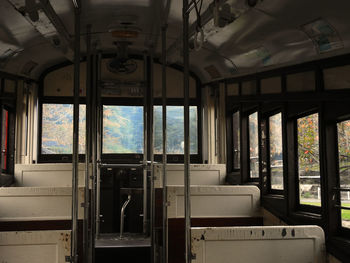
<point>236,140</point>
<point>309,161</point>
<point>175,130</point>
<point>276,151</point>
<point>57,129</point>
<point>122,129</point>
<point>344,168</point>
<point>253,145</point>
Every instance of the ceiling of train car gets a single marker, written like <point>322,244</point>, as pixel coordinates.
<point>270,34</point>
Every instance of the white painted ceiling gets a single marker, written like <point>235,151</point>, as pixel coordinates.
<point>269,35</point>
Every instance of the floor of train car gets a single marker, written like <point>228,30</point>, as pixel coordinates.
<point>130,248</point>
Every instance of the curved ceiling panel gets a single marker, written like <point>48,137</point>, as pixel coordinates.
<point>271,34</point>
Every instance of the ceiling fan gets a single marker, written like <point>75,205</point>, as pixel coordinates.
<point>121,63</point>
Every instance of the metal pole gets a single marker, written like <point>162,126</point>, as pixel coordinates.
<point>187,182</point>
<point>165,194</point>
<point>145,136</point>
<point>87,249</point>
<point>99,142</point>
<point>94,153</point>
<point>1,120</point>
<point>75,159</point>
<point>151,145</point>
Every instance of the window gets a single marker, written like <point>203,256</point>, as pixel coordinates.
<point>344,169</point>
<point>253,145</point>
<point>57,129</point>
<point>309,160</point>
<point>122,129</point>
<point>276,151</point>
<point>4,139</point>
<point>175,130</point>
<point>236,140</point>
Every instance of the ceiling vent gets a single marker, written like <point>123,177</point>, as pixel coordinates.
<point>28,67</point>
<point>121,63</point>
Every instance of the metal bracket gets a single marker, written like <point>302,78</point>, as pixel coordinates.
<point>69,259</point>
<point>85,205</point>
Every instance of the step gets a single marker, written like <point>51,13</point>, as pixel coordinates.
<point>129,240</point>
<point>131,248</point>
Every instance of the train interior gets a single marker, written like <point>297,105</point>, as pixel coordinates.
<point>174,131</point>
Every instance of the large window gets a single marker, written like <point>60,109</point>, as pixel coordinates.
<point>344,169</point>
<point>253,145</point>
<point>57,129</point>
<point>276,151</point>
<point>175,130</point>
<point>122,129</point>
<point>236,140</point>
<point>309,160</point>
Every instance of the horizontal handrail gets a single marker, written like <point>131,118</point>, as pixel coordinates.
<point>143,164</point>
<point>341,189</point>
<point>342,207</point>
<point>120,165</point>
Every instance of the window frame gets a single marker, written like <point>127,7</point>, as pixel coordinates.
<point>234,169</point>
<point>138,157</point>
<point>267,152</point>
<point>120,157</point>
<point>4,108</point>
<point>9,104</point>
<point>343,230</point>
<point>299,206</point>
<point>246,115</point>
<point>115,157</point>
<point>55,158</point>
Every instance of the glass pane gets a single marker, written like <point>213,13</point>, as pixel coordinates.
<point>344,168</point>
<point>236,140</point>
<point>57,129</point>
<point>253,145</point>
<point>276,151</point>
<point>4,138</point>
<point>175,130</point>
<point>82,128</point>
<point>122,129</point>
<point>309,161</point>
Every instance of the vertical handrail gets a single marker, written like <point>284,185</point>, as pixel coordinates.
<point>2,86</point>
<point>151,147</point>
<point>75,159</point>
<point>187,182</point>
<point>99,116</point>
<point>93,153</point>
<point>145,136</point>
<point>164,179</point>
<point>87,247</point>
